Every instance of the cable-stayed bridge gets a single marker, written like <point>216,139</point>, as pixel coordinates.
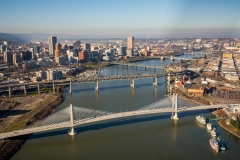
<point>73,116</point>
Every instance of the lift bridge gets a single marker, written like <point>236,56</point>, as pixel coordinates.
<point>73,116</point>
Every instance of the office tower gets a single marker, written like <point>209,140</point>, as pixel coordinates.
<point>26,55</point>
<point>52,42</point>
<point>87,46</point>
<point>130,53</point>
<point>3,48</point>
<point>8,57</point>
<point>130,46</point>
<point>58,50</point>
<point>36,49</point>
<point>122,51</point>
<point>16,58</point>
<point>130,42</point>
<point>77,44</point>
<point>82,56</point>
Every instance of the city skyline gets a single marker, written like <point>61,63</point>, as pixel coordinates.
<point>149,19</point>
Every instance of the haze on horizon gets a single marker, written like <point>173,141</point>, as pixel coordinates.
<point>144,18</point>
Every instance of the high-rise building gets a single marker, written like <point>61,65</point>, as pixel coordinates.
<point>3,48</point>
<point>26,55</point>
<point>52,42</point>
<point>122,51</point>
<point>36,49</point>
<point>77,44</point>
<point>130,53</point>
<point>87,46</point>
<point>58,50</point>
<point>130,42</point>
<point>8,57</point>
<point>54,75</point>
<point>61,60</point>
<point>82,56</point>
<point>16,58</point>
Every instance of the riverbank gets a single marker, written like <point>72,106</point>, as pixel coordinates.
<point>196,99</point>
<point>219,113</point>
<point>9,147</point>
<point>224,125</point>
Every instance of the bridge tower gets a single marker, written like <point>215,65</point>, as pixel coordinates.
<point>71,131</point>
<point>174,106</point>
<point>132,83</point>
<point>155,81</point>
<point>96,86</point>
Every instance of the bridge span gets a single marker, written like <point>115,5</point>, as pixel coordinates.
<point>93,79</point>
<point>71,117</point>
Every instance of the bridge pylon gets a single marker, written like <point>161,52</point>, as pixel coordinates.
<point>72,130</point>
<point>96,86</point>
<point>174,106</point>
<point>155,81</point>
<point>132,83</point>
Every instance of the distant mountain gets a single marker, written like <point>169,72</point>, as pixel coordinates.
<point>44,37</point>
<point>12,38</point>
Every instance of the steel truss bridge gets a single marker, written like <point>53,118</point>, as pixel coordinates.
<point>74,116</point>
<point>154,67</point>
<point>91,79</point>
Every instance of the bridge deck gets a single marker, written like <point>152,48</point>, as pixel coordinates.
<point>62,119</point>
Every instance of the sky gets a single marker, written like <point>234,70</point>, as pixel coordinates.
<point>143,18</point>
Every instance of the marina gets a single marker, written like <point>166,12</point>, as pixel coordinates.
<point>216,142</point>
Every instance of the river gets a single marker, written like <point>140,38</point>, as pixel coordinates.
<point>140,137</point>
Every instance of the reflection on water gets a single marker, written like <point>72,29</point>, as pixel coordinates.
<point>200,124</point>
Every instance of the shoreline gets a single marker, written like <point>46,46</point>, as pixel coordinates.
<point>228,128</point>
<point>9,147</point>
<point>219,113</point>
<point>222,123</point>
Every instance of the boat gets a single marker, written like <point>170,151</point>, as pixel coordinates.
<point>201,119</point>
<point>209,126</point>
<point>220,141</point>
<point>214,144</point>
<point>171,58</point>
<point>213,132</point>
<point>223,148</point>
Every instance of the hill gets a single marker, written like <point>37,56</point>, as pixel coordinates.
<point>12,38</point>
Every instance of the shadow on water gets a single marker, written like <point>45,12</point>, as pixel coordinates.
<point>113,87</point>
<point>192,113</point>
<point>118,122</point>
